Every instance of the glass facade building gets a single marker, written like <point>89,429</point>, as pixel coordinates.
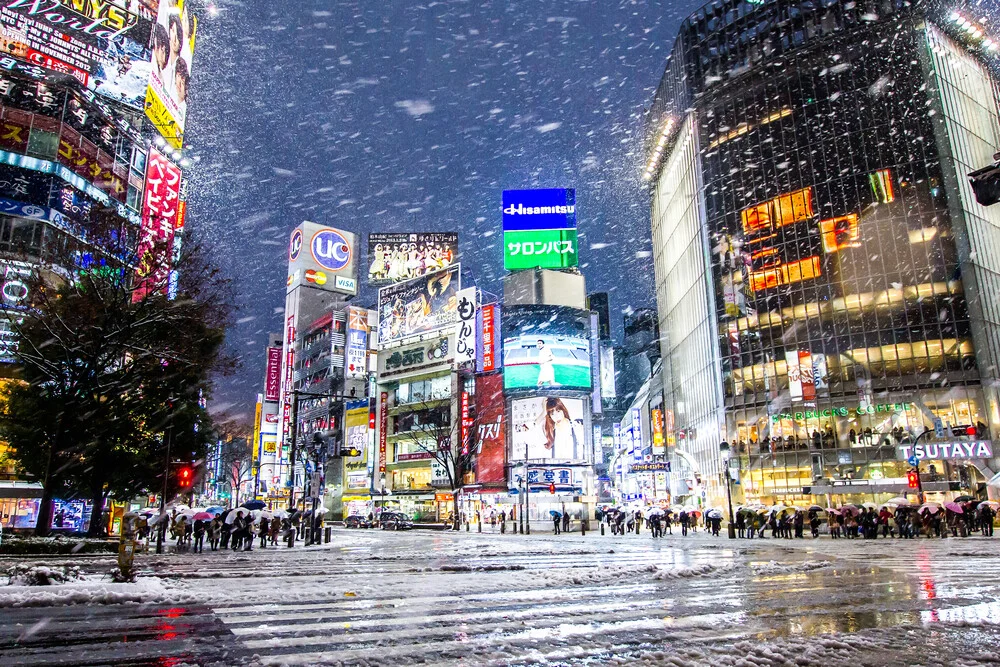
<point>826,281</point>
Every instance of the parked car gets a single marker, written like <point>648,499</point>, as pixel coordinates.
<point>395,521</point>
<point>357,521</point>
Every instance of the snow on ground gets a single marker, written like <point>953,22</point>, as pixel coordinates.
<point>374,598</point>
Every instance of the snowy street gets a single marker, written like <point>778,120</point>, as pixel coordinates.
<point>378,598</point>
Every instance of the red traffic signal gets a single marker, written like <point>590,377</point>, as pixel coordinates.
<point>552,487</point>
<point>184,477</point>
<point>913,479</point>
<point>970,431</point>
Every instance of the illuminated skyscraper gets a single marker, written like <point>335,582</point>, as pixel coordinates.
<point>826,282</point>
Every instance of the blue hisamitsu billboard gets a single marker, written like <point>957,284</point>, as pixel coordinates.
<point>526,210</point>
<point>539,229</point>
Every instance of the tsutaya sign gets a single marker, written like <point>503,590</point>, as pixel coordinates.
<point>973,449</point>
<point>842,411</point>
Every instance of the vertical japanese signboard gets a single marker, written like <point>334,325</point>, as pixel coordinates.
<point>159,215</point>
<point>491,438</point>
<point>659,443</point>
<point>465,342</point>
<point>488,323</point>
<point>356,365</point>
<point>383,424</point>
<point>272,381</point>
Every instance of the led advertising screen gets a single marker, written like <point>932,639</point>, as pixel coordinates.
<point>103,45</point>
<point>547,428</point>
<point>421,305</point>
<point>356,364</point>
<point>546,347</point>
<point>170,74</point>
<point>539,229</point>
<point>394,258</point>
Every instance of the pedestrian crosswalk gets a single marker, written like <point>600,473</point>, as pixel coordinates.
<point>439,599</point>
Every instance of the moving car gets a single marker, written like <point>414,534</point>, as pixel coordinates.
<point>357,521</point>
<point>395,521</point>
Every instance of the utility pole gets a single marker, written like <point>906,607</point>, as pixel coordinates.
<point>168,436</point>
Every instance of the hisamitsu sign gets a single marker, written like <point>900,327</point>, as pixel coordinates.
<point>973,449</point>
<point>539,229</point>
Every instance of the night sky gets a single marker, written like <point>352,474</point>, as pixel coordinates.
<point>406,116</point>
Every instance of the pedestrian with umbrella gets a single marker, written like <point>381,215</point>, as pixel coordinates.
<point>226,529</point>
<point>556,520</point>
<point>214,531</point>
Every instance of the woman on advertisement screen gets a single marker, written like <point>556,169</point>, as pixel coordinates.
<point>546,366</point>
<point>562,438</point>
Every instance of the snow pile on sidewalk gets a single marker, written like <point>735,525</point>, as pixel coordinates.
<point>40,575</point>
<point>774,567</point>
<point>92,590</point>
<point>612,574</point>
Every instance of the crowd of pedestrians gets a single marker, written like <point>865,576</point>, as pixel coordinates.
<point>235,529</point>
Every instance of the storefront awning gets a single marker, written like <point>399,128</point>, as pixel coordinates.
<point>16,489</point>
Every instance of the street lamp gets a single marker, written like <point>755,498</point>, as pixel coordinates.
<point>724,449</point>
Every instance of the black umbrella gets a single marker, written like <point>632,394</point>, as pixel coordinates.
<point>254,504</point>
<point>964,499</point>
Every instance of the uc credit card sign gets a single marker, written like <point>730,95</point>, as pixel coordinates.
<point>539,228</point>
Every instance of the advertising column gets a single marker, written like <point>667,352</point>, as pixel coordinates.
<point>548,364</point>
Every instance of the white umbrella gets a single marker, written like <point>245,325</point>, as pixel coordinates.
<point>261,514</point>
<point>231,517</point>
<point>179,508</point>
<point>899,500</point>
<point>869,505</point>
<point>157,519</point>
<point>714,514</point>
<point>281,514</point>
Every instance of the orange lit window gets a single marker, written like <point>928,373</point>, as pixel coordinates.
<point>757,218</point>
<point>881,182</point>
<point>840,233</point>
<point>786,274</point>
<point>783,210</point>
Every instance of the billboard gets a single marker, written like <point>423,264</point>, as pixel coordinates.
<point>488,329</point>
<point>322,257</point>
<point>421,305</point>
<point>272,380</point>
<point>491,436</point>
<point>103,45</point>
<point>465,339</point>
<point>172,45</point>
<point>539,229</point>
<point>546,347</point>
<point>547,428</point>
<point>159,216</point>
<point>394,258</point>
<point>608,389</point>
<point>356,363</point>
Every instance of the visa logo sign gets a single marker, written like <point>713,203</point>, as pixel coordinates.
<point>529,210</point>
<point>348,284</point>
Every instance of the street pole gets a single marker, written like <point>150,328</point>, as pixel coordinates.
<point>294,432</point>
<point>724,447</point>
<point>168,436</point>
<point>920,483</point>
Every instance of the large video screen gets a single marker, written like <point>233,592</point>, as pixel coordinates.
<point>394,258</point>
<point>547,428</point>
<point>418,306</point>
<point>546,347</point>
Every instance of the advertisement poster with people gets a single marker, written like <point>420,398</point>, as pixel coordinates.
<point>173,52</point>
<point>547,428</point>
<point>418,306</point>
<point>103,45</point>
<point>546,347</point>
<point>395,258</point>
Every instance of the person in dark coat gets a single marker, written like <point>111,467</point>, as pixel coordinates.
<point>556,520</point>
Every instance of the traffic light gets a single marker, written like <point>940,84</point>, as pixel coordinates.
<point>552,487</point>
<point>913,479</point>
<point>184,476</point>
